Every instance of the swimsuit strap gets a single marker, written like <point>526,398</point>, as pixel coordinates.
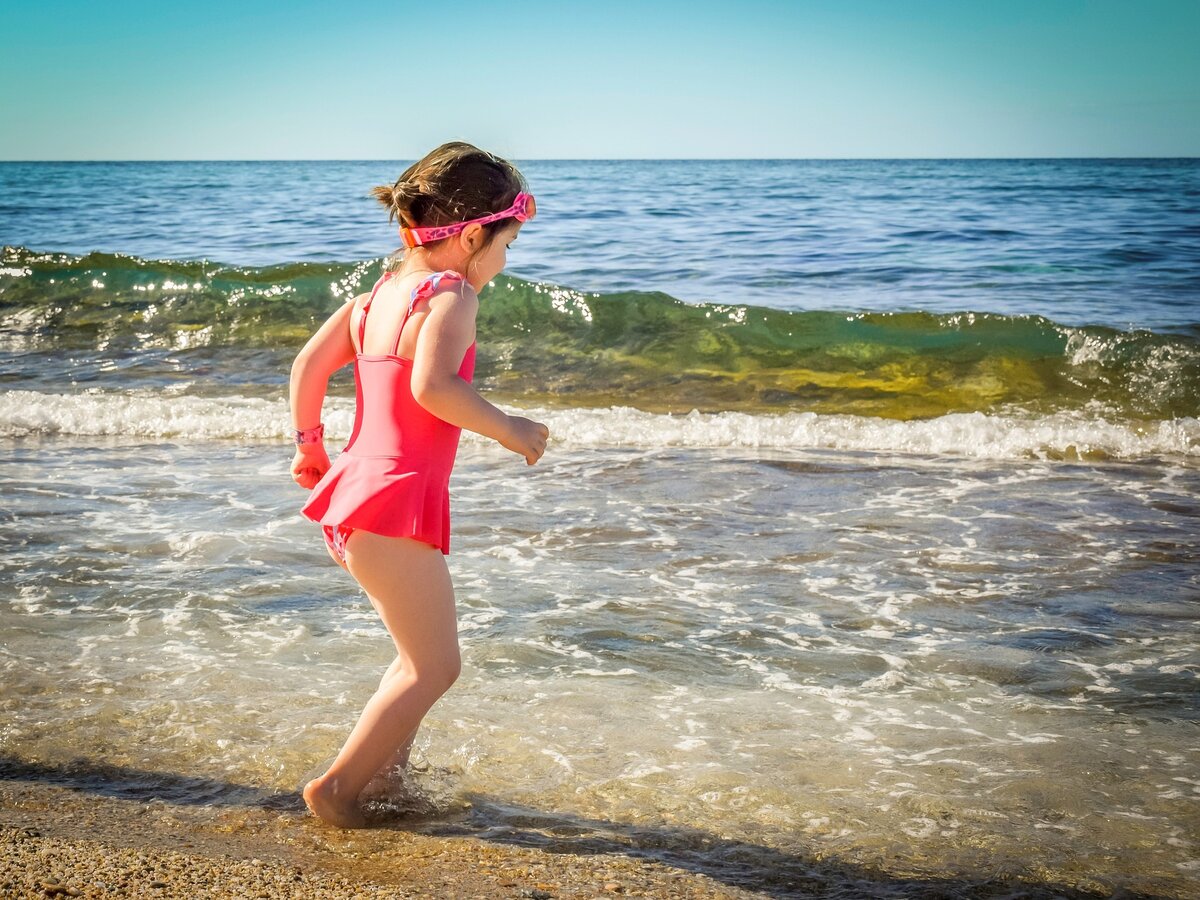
<point>362,319</point>
<point>422,291</point>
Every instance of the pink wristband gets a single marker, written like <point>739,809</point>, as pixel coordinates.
<point>309,435</point>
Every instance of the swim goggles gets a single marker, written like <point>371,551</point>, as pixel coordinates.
<point>522,208</point>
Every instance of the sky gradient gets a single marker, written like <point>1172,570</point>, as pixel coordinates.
<point>563,80</point>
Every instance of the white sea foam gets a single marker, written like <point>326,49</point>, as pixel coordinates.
<point>1080,434</point>
<point>153,414</point>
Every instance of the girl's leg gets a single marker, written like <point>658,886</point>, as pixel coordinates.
<point>400,758</point>
<point>410,586</point>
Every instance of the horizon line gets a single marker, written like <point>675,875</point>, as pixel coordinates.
<point>632,159</point>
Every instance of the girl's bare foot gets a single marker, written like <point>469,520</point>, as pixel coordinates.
<point>322,798</point>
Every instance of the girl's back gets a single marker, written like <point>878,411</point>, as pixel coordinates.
<point>388,419</point>
<point>392,477</point>
<point>386,330</point>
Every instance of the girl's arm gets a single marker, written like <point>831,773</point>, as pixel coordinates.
<point>326,352</point>
<point>446,334</point>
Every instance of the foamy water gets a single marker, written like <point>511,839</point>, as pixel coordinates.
<point>943,665</point>
<point>1012,434</point>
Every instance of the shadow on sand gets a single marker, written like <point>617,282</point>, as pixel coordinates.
<point>740,864</point>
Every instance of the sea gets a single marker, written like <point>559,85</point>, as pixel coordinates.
<point>864,556</point>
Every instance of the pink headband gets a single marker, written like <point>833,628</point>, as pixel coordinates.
<point>522,208</point>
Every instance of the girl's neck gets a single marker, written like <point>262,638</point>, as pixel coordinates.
<point>414,263</point>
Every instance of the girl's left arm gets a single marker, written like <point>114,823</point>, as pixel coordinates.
<point>326,352</point>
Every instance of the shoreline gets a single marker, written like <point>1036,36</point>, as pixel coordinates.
<point>71,841</point>
<point>62,841</point>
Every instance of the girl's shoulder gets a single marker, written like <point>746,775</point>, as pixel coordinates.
<point>447,288</point>
<point>447,281</point>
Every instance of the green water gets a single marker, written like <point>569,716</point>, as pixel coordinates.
<point>550,344</point>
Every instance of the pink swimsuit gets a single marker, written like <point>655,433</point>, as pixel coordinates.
<point>393,475</point>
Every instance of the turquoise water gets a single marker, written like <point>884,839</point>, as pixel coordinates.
<point>883,571</point>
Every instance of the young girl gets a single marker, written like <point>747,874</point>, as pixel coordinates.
<point>383,505</point>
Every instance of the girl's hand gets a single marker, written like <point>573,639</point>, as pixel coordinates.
<point>309,465</point>
<point>526,437</point>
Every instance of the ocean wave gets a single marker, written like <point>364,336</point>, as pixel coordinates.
<point>1073,435</point>
<point>547,343</point>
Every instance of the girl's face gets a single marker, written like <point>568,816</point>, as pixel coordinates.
<point>491,261</point>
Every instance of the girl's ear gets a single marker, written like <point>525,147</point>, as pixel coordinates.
<point>471,238</point>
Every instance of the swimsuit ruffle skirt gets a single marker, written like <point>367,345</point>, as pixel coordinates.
<point>393,475</point>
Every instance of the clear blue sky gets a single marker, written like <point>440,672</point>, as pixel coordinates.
<point>553,80</point>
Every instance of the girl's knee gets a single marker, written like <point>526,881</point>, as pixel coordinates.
<point>439,676</point>
<point>448,673</point>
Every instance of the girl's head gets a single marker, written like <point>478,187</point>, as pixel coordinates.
<point>453,183</point>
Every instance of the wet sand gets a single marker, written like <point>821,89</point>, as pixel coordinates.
<point>62,841</point>
<point>56,841</point>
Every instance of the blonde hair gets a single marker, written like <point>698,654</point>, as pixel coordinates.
<point>453,183</point>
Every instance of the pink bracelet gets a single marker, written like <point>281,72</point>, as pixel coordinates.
<point>309,435</point>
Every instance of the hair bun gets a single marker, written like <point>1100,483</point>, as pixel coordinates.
<point>406,191</point>
<point>405,201</point>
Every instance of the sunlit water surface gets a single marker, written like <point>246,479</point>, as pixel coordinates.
<point>949,665</point>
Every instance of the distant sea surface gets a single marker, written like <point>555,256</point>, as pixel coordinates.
<point>864,550</point>
<point>1081,242</point>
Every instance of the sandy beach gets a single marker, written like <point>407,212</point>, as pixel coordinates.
<point>60,842</point>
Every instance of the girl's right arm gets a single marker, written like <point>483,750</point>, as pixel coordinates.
<point>326,352</point>
<point>446,334</point>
